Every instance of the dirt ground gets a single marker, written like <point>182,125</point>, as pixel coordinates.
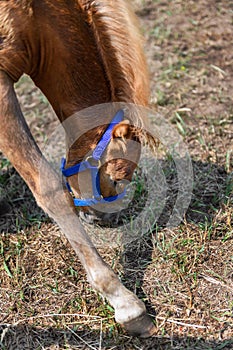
<point>184,274</point>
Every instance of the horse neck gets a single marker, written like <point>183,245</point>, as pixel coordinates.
<point>83,65</point>
<point>91,55</point>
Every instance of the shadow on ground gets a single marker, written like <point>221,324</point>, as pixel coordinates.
<point>211,190</point>
<point>18,208</point>
<point>30,338</point>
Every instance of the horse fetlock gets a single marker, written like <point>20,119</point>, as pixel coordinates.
<point>127,307</point>
<point>129,310</point>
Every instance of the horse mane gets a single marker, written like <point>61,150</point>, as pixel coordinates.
<point>120,47</point>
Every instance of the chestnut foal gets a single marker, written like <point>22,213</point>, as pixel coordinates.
<point>80,53</point>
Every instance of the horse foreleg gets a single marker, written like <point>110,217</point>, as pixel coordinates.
<point>18,145</point>
<point>129,310</point>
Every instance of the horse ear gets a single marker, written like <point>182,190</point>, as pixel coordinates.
<point>121,130</point>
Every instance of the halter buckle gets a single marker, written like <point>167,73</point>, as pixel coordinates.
<point>95,163</point>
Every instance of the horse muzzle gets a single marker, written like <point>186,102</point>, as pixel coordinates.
<point>93,216</point>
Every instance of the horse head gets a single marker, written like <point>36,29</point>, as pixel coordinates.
<point>100,164</point>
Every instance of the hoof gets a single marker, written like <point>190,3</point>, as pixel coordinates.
<point>142,326</point>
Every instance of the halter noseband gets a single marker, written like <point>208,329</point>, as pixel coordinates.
<point>93,163</point>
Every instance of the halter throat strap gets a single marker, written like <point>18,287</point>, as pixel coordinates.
<point>93,163</point>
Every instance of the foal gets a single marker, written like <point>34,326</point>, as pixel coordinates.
<point>80,53</point>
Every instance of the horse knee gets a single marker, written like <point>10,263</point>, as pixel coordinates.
<point>51,194</point>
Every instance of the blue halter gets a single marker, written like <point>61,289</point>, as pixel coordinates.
<point>93,163</point>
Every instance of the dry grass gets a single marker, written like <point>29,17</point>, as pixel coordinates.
<point>184,274</point>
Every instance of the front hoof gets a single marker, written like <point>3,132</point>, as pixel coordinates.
<point>141,326</point>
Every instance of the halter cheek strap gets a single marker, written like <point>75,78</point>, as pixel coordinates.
<point>93,163</point>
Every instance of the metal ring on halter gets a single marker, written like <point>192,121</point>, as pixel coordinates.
<point>93,162</point>
<point>98,198</point>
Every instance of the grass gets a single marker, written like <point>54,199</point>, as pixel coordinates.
<point>183,273</point>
